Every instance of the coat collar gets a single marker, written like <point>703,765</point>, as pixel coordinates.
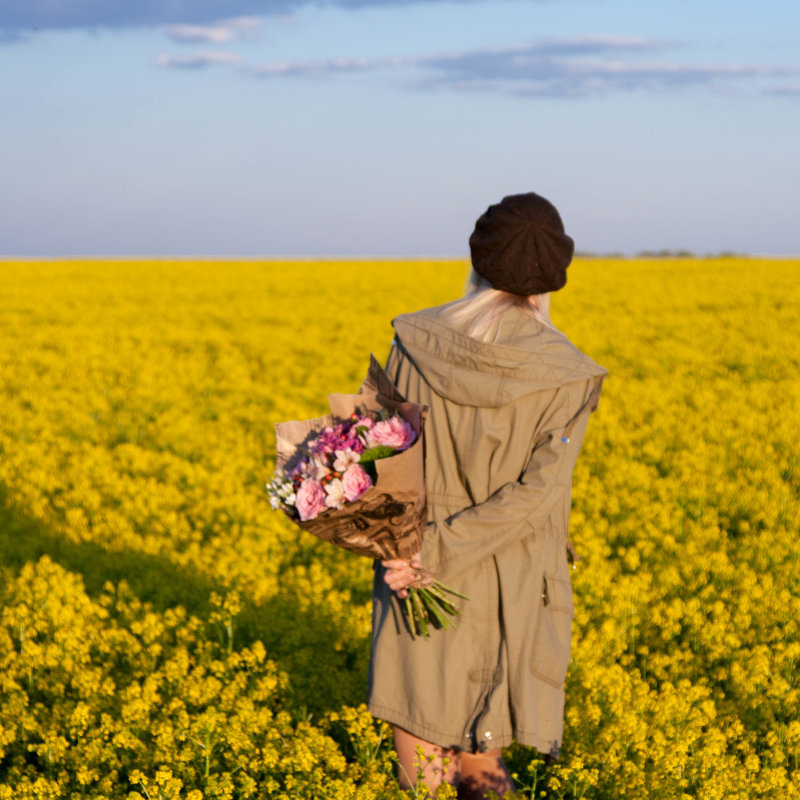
<point>528,357</point>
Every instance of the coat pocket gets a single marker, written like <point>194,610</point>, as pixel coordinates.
<point>551,643</point>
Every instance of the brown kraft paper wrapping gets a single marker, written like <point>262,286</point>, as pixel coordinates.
<point>388,520</point>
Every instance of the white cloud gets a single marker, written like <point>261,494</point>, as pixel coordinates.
<point>199,33</point>
<point>217,33</point>
<point>20,15</point>
<point>322,67</point>
<point>197,60</point>
<point>788,90</point>
<point>572,67</point>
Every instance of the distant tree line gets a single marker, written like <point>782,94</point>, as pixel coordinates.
<point>659,254</point>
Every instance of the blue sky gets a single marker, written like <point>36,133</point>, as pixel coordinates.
<point>285,127</point>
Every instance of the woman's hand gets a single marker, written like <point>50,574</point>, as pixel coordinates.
<point>401,573</point>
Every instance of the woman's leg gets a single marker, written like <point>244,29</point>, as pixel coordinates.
<point>481,772</point>
<point>436,764</point>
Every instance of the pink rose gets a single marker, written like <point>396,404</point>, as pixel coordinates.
<point>355,482</point>
<point>310,499</point>
<point>393,432</point>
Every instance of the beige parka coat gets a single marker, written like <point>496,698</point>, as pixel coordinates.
<point>505,427</point>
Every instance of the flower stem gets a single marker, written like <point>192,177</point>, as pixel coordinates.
<point>410,614</point>
<point>434,608</point>
<point>451,591</point>
<point>419,614</point>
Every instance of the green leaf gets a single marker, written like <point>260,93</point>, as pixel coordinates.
<point>374,453</point>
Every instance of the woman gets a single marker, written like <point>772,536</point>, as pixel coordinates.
<point>509,401</point>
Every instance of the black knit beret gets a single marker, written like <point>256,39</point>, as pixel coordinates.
<point>519,245</point>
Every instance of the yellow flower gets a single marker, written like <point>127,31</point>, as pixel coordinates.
<point>164,634</point>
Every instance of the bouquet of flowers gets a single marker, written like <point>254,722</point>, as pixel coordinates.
<point>339,465</point>
<point>355,478</point>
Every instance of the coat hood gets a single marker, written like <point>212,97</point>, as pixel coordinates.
<point>527,356</point>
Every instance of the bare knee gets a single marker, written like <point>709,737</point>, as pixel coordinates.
<point>420,760</point>
<point>483,772</point>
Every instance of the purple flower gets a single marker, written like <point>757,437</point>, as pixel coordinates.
<point>353,443</point>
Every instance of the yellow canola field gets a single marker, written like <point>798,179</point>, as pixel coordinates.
<point>164,634</point>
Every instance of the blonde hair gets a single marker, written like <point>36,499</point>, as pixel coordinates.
<point>479,312</point>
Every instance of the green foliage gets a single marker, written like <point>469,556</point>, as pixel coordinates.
<point>374,453</point>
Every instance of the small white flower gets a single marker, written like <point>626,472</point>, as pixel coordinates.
<point>335,494</point>
<point>344,458</point>
<point>319,469</point>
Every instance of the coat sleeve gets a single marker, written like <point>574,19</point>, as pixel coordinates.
<point>517,509</point>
